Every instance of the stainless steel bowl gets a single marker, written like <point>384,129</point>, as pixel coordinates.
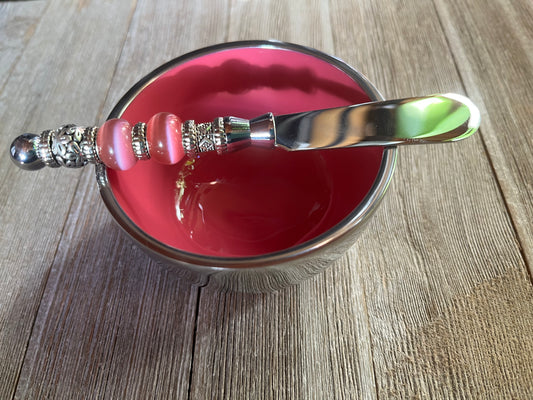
<point>264,272</point>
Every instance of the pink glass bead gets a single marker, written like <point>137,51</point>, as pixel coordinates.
<point>113,143</point>
<point>163,134</point>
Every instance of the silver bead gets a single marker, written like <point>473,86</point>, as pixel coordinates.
<point>88,145</point>
<point>138,141</point>
<point>204,138</point>
<point>219,136</point>
<point>66,146</point>
<point>188,138</point>
<point>23,152</point>
<point>44,148</point>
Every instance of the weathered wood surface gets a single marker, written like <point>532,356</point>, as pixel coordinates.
<point>435,300</point>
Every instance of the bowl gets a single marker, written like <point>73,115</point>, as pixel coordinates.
<point>257,219</point>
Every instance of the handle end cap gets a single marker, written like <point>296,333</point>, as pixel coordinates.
<point>24,153</point>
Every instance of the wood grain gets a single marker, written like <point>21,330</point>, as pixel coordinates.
<point>443,230</point>
<point>17,26</point>
<point>433,301</point>
<point>45,88</point>
<point>182,27</point>
<point>112,323</point>
<point>306,342</point>
<point>495,59</point>
<point>299,21</point>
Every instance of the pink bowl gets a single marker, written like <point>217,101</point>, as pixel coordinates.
<point>255,219</point>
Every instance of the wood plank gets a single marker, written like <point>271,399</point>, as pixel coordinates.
<point>306,342</point>
<point>434,300</point>
<point>302,22</point>
<point>495,59</point>
<point>114,324</point>
<point>17,26</point>
<point>442,237</point>
<point>310,341</point>
<point>183,28</point>
<point>46,87</point>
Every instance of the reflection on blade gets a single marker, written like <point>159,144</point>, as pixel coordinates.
<point>439,118</point>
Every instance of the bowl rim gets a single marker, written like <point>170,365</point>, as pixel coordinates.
<point>358,215</point>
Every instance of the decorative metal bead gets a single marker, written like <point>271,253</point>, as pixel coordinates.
<point>189,138</point>
<point>200,138</point>
<point>44,148</point>
<point>219,136</point>
<point>66,146</point>
<point>204,137</point>
<point>138,141</point>
<point>88,145</point>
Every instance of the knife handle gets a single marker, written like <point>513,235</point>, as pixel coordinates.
<point>118,145</point>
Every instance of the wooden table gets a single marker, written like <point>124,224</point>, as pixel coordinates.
<point>435,300</point>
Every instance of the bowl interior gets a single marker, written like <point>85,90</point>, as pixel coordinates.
<point>254,201</point>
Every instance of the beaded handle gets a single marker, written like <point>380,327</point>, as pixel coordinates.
<point>417,120</point>
<point>118,145</point>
